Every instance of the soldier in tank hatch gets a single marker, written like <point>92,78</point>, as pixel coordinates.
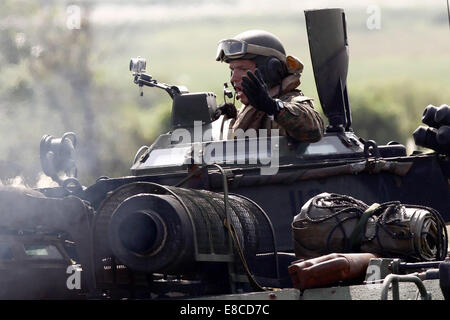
<point>265,81</point>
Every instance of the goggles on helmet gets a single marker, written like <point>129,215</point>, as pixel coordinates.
<point>234,49</point>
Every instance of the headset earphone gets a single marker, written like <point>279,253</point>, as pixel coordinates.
<point>272,70</point>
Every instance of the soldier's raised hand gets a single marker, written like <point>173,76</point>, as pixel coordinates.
<point>257,93</point>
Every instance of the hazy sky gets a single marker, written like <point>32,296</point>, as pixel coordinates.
<point>115,13</point>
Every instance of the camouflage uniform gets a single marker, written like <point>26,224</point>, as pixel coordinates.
<point>298,118</point>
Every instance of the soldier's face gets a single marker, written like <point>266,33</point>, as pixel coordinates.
<point>239,69</point>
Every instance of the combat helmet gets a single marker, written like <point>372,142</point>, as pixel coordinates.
<point>265,49</point>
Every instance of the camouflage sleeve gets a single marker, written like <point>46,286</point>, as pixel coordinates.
<point>300,120</point>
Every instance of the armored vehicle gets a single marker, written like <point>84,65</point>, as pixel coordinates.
<point>205,217</point>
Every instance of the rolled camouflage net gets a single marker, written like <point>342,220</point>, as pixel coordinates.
<point>334,223</point>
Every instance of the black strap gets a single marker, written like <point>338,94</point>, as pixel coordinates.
<point>357,233</point>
